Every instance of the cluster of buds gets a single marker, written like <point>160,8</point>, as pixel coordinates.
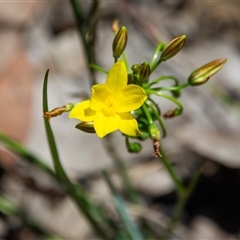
<point>149,116</point>
<point>150,112</point>
<point>140,74</point>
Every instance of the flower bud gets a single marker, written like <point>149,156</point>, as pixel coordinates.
<point>173,47</point>
<point>135,68</point>
<point>134,147</point>
<point>154,132</point>
<point>143,136</point>
<point>155,136</point>
<point>144,71</point>
<point>130,78</point>
<point>86,127</point>
<point>119,42</point>
<point>176,93</point>
<point>202,74</point>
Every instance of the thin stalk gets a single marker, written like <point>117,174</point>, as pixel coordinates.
<point>158,49</point>
<point>75,192</point>
<point>10,210</point>
<point>163,78</point>
<point>24,153</point>
<point>124,57</point>
<point>176,180</point>
<point>156,65</point>
<point>172,88</point>
<point>148,115</point>
<point>158,116</point>
<point>88,209</point>
<point>129,224</point>
<point>81,21</point>
<point>51,141</point>
<point>172,99</point>
<point>96,67</point>
<point>180,205</point>
<point>122,170</point>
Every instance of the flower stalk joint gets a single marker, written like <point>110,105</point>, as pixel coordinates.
<point>58,111</point>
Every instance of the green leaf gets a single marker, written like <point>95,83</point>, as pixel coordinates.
<point>90,210</point>
<point>129,224</point>
<point>50,137</point>
<point>9,209</point>
<point>26,154</point>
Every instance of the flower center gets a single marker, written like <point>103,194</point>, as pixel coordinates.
<point>109,109</point>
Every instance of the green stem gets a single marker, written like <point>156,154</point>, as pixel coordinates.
<point>80,19</point>
<point>124,57</point>
<point>24,153</point>
<point>51,141</point>
<point>120,166</point>
<point>177,212</point>
<point>158,49</point>
<point>75,191</point>
<point>157,115</point>
<point>177,182</point>
<point>10,210</point>
<point>88,209</point>
<point>148,115</point>
<point>178,111</point>
<point>163,78</point>
<point>96,67</point>
<point>172,88</point>
<point>129,224</point>
<point>181,202</point>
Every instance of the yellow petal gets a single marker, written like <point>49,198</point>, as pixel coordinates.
<point>83,112</point>
<point>105,124</point>
<point>131,97</point>
<point>101,94</point>
<point>117,76</point>
<point>129,125</point>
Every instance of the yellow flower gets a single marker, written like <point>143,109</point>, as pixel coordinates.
<point>111,103</point>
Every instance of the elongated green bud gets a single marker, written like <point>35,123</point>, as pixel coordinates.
<point>202,74</point>
<point>173,47</point>
<point>144,72</point>
<point>130,78</point>
<point>154,132</point>
<point>86,127</point>
<point>120,42</point>
<point>155,136</point>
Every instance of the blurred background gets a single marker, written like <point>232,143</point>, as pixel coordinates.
<point>40,35</point>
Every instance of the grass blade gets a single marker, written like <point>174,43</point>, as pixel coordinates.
<point>129,224</point>
<point>50,137</point>
<point>9,209</point>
